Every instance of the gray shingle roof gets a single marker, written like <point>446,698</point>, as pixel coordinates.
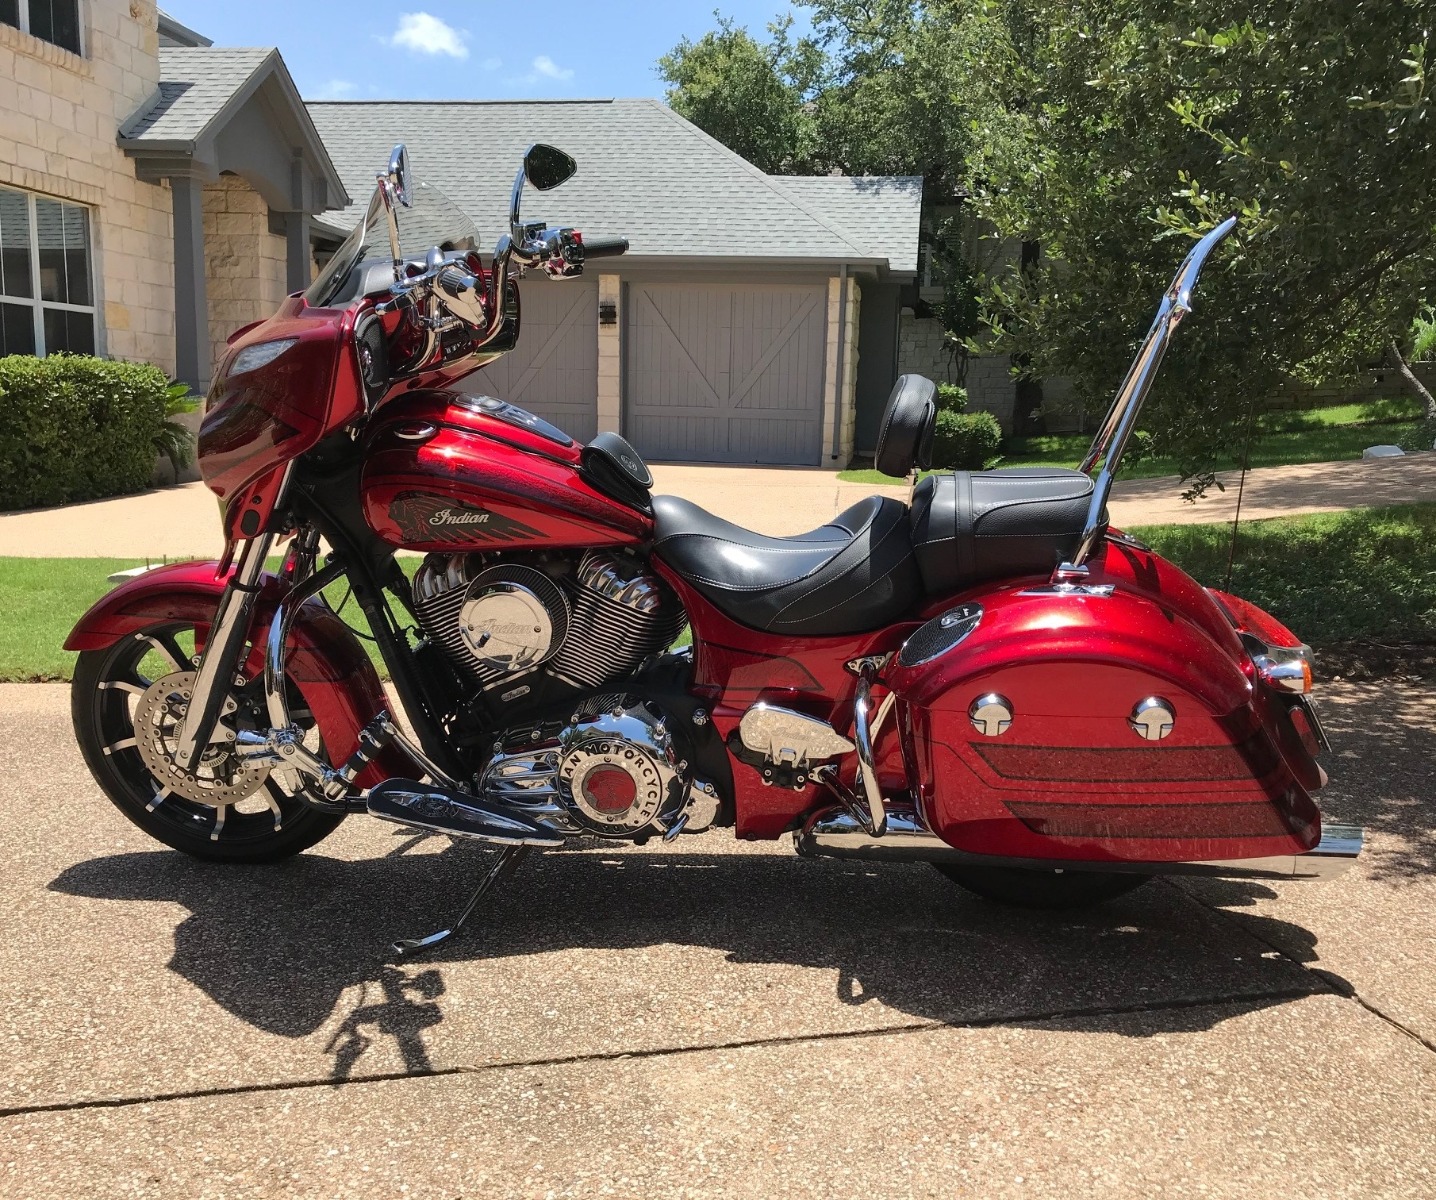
<point>196,83</point>
<point>882,213</point>
<point>643,172</point>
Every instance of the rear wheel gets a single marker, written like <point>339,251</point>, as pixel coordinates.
<point>127,701</point>
<point>1050,889</point>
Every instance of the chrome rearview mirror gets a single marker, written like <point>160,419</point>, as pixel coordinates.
<point>398,176</point>
<point>395,187</point>
<point>546,167</point>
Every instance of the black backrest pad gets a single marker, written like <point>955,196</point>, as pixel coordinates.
<point>969,526</point>
<point>905,436</point>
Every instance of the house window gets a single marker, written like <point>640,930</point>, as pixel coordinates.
<point>47,300</point>
<point>54,21</point>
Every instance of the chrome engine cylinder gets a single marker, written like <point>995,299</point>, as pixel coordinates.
<point>625,614</point>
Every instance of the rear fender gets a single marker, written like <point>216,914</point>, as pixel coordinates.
<point>325,660</point>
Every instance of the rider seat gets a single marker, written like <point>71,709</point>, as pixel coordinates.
<point>874,563</point>
<point>851,575</point>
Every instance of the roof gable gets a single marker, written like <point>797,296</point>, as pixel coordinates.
<point>643,172</point>
<point>209,96</point>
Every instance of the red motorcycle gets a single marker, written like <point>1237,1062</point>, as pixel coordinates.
<point>989,678</point>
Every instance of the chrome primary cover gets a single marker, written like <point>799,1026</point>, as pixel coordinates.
<point>615,773</point>
<point>618,770</point>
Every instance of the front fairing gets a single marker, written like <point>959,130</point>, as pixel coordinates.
<point>256,422</point>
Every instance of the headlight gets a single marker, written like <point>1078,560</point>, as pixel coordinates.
<point>251,358</point>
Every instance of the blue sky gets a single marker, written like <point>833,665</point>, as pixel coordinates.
<point>478,49</point>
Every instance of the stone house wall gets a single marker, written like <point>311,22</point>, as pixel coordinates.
<point>990,386</point>
<point>59,113</point>
<point>244,261</point>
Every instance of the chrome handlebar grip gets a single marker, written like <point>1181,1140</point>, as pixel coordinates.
<point>1121,419</point>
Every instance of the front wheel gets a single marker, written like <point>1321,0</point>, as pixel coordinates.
<point>1050,889</point>
<point>126,703</point>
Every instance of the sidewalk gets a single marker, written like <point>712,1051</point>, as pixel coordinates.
<point>183,522</point>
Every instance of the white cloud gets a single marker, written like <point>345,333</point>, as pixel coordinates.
<point>335,89</point>
<point>424,33</point>
<point>545,66</point>
<point>492,64</point>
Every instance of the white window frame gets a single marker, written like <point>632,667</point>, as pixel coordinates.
<point>37,305</point>
<point>80,14</point>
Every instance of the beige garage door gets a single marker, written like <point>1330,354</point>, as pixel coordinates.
<point>725,373</point>
<point>553,371</point>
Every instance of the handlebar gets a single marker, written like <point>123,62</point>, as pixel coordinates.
<point>607,247</point>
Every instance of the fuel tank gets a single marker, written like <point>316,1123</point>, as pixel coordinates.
<point>1116,721</point>
<point>449,472</point>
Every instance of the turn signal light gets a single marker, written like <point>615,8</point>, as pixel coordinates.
<point>1285,668</point>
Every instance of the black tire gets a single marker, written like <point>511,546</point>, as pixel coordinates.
<point>101,710</point>
<point>1054,890</point>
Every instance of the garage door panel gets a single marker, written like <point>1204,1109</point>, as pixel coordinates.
<point>553,371</point>
<point>770,441</point>
<point>725,373</point>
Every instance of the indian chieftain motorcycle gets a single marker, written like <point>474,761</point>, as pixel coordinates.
<point>989,678</point>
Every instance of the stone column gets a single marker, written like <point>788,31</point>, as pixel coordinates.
<point>610,354</point>
<point>192,358</point>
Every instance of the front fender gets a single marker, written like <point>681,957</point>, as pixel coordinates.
<point>325,660</point>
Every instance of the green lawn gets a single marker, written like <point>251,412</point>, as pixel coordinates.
<point>1307,436</point>
<point>1363,575</point>
<point>42,598</point>
<point>1368,574</point>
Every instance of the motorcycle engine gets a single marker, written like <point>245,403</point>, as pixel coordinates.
<point>549,625</point>
<point>613,769</point>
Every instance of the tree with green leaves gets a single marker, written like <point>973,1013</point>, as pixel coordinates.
<point>1122,129</point>
<point>752,96</point>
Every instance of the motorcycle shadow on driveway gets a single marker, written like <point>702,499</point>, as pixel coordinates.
<point>279,946</point>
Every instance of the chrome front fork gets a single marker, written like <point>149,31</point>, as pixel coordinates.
<point>220,657</point>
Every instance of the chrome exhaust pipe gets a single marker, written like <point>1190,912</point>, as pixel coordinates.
<point>836,833</point>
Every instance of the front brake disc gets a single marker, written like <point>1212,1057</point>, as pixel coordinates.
<point>221,777</point>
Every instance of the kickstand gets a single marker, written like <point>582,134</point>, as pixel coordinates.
<point>503,866</point>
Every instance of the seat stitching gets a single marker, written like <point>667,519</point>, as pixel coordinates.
<point>882,540</point>
<point>854,595</point>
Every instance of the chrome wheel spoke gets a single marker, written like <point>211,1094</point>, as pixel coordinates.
<point>124,685</point>
<point>159,798</point>
<point>123,744</point>
<point>165,645</point>
<point>219,813</point>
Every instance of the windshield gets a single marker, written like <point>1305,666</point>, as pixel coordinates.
<point>434,220</point>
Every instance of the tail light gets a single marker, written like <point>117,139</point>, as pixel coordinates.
<point>1282,668</point>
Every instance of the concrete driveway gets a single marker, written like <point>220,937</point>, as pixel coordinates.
<point>183,522</point>
<point>706,1019</point>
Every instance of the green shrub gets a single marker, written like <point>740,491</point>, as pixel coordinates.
<point>951,398</point>
<point>172,439</point>
<point>76,428</point>
<point>1423,333</point>
<point>965,441</point>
